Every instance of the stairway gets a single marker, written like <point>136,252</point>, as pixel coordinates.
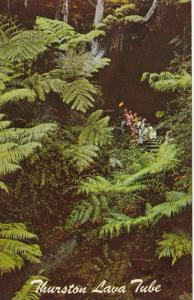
<point>152,145</point>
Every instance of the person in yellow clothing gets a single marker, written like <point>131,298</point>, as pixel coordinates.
<point>121,104</point>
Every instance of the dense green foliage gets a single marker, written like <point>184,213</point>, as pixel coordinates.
<point>174,245</point>
<point>67,172</point>
<point>28,291</point>
<point>14,250</point>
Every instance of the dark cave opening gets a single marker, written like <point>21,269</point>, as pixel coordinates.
<point>149,52</point>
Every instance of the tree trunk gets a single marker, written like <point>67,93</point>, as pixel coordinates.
<point>97,49</point>
<point>152,10</point>
<point>9,7</point>
<point>100,6</point>
<point>57,12</point>
<point>26,3</point>
<point>66,5</point>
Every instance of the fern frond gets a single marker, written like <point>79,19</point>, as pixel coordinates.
<point>55,31</point>
<point>115,224</point>
<point>174,246</point>
<point>43,84</point>
<point>168,82</point>
<point>100,185</point>
<point>4,124</point>
<point>18,144</point>
<point>3,187</point>
<point>174,205</point>
<point>165,159</point>
<point>8,28</point>
<point>16,231</point>
<point>118,223</point>
<point>14,250</point>
<point>28,290</point>
<point>9,160</point>
<point>87,210</point>
<point>10,261</point>
<point>81,39</point>
<point>30,253</point>
<point>26,135</point>
<point>23,46</point>
<point>16,95</point>
<point>79,95</point>
<point>96,130</point>
<point>84,65</point>
<point>124,10</point>
<point>81,156</point>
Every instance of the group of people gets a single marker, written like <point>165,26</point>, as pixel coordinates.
<point>138,127</point>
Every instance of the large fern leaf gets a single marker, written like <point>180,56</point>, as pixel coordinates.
<point>168,82</point>
<point>81,156</point>
<point>99,185</point>
<point>174,246</point>
<point>71,66</point>
<point>96,130</point>
<point>91,209</point>
<point>16,231</point>
<point>15,248</point>
<point>118,223</point>
<point>80,95</point>
<point>23,46</point>
<point>18,144</point>
<point>28,290</point>
<point>16,95</point>
<point>54,30</point>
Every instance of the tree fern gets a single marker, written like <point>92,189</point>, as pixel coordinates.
<point>74,66</point>
<point>8,72</point>
<point>96,130</point>
<point>168,82</point>
<point>91,209</point>
<point>117,223</point>
<point>127,183</point>
<point>67,78</point>
<point>43,84</point>
<point>23,46</point>
<point>174,246</point>
<point>23,49</point>
<point>18,144</point>
<point>63,34</point>
<point>16,95</point>
<point>14,250</point>
<point>126,14</point>
<point>25,135</point>
<point>164,160</point>
<point>8,27</point>
<point>55,31</point>
<point>79,95</point>
<point>81,156</point>
<point>16,231</point>
<point>124,10</point>
<point>28,290</point>
<point>176,202</point>
<point>99,185</point>
<point>81,40</point>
